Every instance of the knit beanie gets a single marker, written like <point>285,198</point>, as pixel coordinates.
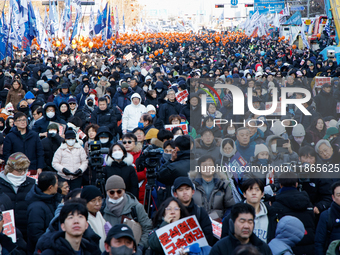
<point>90,192</point>
<point>18,161</point>
<point>299,130</point>
<point>260,148</point>
<point>115,182</point>
<point>70,134</point>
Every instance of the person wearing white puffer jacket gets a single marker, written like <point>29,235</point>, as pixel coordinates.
<point>132,113</point>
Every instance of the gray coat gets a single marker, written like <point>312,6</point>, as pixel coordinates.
<point>221,198</point>
<point>142,216</point>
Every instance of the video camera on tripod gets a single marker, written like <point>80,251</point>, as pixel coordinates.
<point>96,160</point>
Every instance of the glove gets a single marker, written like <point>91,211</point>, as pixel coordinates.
<point>78,172</point>
<point>67,172</point>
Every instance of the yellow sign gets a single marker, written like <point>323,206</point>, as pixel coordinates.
<point>308,22</point>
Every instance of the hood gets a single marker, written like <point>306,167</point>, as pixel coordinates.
<point>293,199</point>
<point>157,142</point>
<point>138,96</point>
<point>192,95</point>
<point>35,73</point>
<point>223,144</point>
<point>290,230</point>
<point>128,160</point>
<point>35,194</point>
<point>269,140</point>
<point>55,108</point>
<point>103,129</point>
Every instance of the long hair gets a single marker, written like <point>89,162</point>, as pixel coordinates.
<point>158,218</point>
<point>121,147</point>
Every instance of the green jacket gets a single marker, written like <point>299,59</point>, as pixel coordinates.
<point>333,248</point>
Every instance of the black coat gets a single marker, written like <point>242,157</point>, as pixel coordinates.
<point>140,91</point>
<point>3,97</point>
<point>122,100</point>
<point>151,100</point>
<point>125,170</point>
<point>325,104</point>
<point>31,146</point>
<point>56,244</point>
<point>50,146</point>
<point>194,116</point>
<point>230,243</point>
<point>40,212</point>
<point>19,204</point>
<point>5,201</point>
<point>167,109</point>
<point>292,202</point>
<point>105,118</point>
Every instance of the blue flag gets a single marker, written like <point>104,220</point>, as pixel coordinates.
<point>109,26</point>
<point>101,20</point>
<point>75,27</point>
<point>295,19</point>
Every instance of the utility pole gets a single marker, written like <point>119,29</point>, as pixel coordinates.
<point>308,8</point>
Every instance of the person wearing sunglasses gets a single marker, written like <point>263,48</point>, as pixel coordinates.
<point>120,204</point>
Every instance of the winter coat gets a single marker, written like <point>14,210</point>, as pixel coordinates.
<point>6,203</point>
<point>104,118</point>
<point>15,96</point>
<point>325,104</point>
<point>142,217</point>
<point>32,82</point>
<point>19,204</point>
<point>292,202</point>
<point>193,115</point>
<point>61,98</point>
<point>40,212</point>
<point>122,100</point>
<point>131,115</point>
<point>56,244</point>
<point>167,109</point>
<point>322,236</point>
<point>221,198</point>
<point>312,137</point>
<point>125,170</point>
<point>246,151</point>
<point>306,120</point>
<point>3,97</point>
<point>31,146</point>
<point>101,89</point>
<point>289,232</point>
<point>41,125</point>
<point>141,92</point>
<point>71,159</point>
<point>150,100</point>
<point>228,244</point>
<point>81,98</point>
<point>50,145</point>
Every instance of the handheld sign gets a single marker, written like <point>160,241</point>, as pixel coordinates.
<point>9,225</point>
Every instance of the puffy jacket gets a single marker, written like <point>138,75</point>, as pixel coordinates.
<point>61,98</point>
<point>192,114</point>
<point>19,204</point>
<point>142,217</point>
<point>81,98</point>
<point>71,159</point>
<point>122,100</point>
<point>56,244</point>
<point>289,232</point>
<point>292,202</point>
<point>50,145</point>
<point>40,212</point>
<point>41,125</point>
<point>132,114</point>
<point>32,82</point>
<point>105,118</point>
<point>325,104</point>
<point>167,109</point>
<point>15,96</point>
<point>212,149</point>
<point>221,197</point>
<point>125,170</point>
<point>101,89</point>
<point>31,146</point>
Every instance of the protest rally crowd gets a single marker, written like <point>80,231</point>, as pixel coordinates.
<point>62,115</point>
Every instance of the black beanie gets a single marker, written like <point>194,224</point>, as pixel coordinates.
<point>90,192</point>
<point>70,134</point>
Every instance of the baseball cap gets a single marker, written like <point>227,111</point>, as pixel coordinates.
<point>182,181</point>
<point>118,231</point>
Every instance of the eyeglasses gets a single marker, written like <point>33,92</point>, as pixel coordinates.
<point>119,192</point>
<point>21,120</point>
<point>129,142</point>
<point>171,209</point>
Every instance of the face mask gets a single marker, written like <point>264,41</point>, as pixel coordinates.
<point>263,161</point>
<point>167,156</point>
<point>117,155</point>
<point>209,127</point>
<point>116,201</point>
<point>273,146</point>
<point>263,129</point>
<point>71,142</point>
<point>140,124</point>
<point>52,133</point>
<point>16,180</point>
<point>122,250</point>
<point>90,103</point>
<point>153,115</point>
<point>231,131</point>
<point>2,128</point>
<point>145,89</point>
<point>159,90</point>
<point>103,140</point>
<point>299,140</point>
<point>148,82</point>
<point>183,123</point>
<point>50,114</point>
<point>23,109</point>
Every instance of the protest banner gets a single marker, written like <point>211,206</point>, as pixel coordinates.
<point>235,165</point>
<point>181,96</point>
<point>319,81</point>
<point>184,127</point>
<point>9,225</point>
<point>217,228</point>
<point>182,233</point>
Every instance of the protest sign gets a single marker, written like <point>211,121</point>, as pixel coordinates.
<point>235,165</point>
<point>184,127</point>
<point>182,233</point>
<point>319,81</point>
<point>9,225</point>
<point>181,96</point>
<point>217,228</point>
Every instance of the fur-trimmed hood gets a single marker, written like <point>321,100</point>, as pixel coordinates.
<point>127,160</point>
<point>157,142</point>
<point>64,146</point>
<point>138,147</point>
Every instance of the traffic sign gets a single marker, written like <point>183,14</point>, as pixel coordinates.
<point>297,8</point>
<point>234,2</point>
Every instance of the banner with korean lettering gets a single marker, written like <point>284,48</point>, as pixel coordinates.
<point>319,81</point>
<point>184,127</point>
<point>9,225</point>
<point>182,233</point>
<point>182,96</point>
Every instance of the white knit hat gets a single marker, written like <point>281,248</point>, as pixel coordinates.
<point>260,148</point>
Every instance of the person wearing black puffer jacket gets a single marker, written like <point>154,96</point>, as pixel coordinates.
<point>192,111</point>
<point>32,82</point>
<point>103,116</point>
<point>43,200</point>
<point>119,162</point>
<point>170,107</point>
<point>325,102</point>
<point>16,189</point>
<point>290,201</point>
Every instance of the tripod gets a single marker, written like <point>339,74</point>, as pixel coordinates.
<point>151,183</point>
<point>100,179</point>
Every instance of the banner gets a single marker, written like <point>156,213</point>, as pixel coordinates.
<point>182,233</point>
<point>181,96</point>
<point>217,228</point>
<point>9,225</point>
<point>319,81</point>
<point>235,165</point>
<point>184,127</point>
<point>295,19</point>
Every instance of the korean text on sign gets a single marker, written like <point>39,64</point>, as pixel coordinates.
<point>9,225</point>
<point>181,233</point>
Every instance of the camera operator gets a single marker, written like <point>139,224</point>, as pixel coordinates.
<point>178,165</point>
<point>318,189</point>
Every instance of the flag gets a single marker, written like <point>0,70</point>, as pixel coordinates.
<point>75,26</point>
<point>67,16</point>
<point>46,21</point>
<point>16,32</point>
<point>109,25</point>
<point>32,21</point>
<point>117,23</point>
<point>327,28</point>
<point>123,23</point>
<point>53,18</point>
<point>285,11</point>
<point>3,36</point>
<point>295,19</point>
<point>304,39</point>
<point>91,24</point>
<point>101,20</point>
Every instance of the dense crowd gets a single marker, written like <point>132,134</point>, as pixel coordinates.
<point>84,128</point>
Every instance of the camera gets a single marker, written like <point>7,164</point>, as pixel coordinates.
<point>95,151</point>
<point>331,54</point>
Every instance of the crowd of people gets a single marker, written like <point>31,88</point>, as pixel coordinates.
<point>85,132</point>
